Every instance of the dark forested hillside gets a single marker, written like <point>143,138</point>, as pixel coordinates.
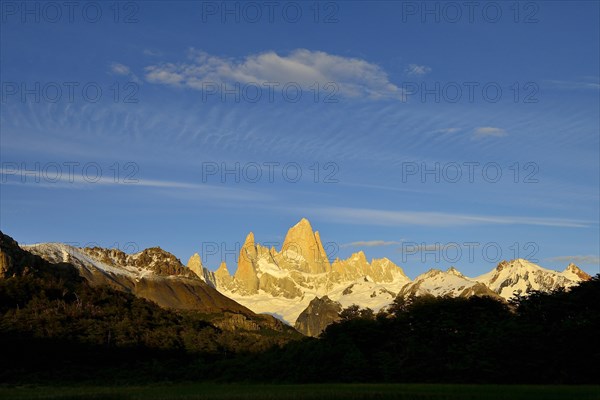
<point>54,324</point>
<point>544,338</point>
<point>55,327</point>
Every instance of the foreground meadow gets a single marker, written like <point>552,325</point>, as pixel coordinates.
<point>300,392</point>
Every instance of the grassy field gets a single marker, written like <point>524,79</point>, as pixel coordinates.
<point>298,392</point>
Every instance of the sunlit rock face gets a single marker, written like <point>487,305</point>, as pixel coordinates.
<point>283,282</point>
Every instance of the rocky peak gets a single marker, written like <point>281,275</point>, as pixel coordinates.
<point>246,271</point>
<point>384,262</point>
<point>159,261</point>
<point>431,273</point>
<point>359,257</point>
<point>501,265</point>
<point>248,252</point>
<point>195,265</point>
<point>575,270</point>
<point>222,271</point>
<point>249,239</point>
<point>384,270</point>
<point>306,247</point>
<point>222,277</point>
<point>454,271</point>
<point>522,263</point>
<point>111,257</point>
<point>354,267</point>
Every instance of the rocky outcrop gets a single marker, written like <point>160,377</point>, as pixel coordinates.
<point>6,265</point>
<point>16,262</point>
<point>154,259</point>
<point>11,263</point>
<point>236,322</point>
<point>320,313</point>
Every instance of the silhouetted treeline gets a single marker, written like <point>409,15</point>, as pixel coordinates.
<point>57,328</point>
<point>543,338</point>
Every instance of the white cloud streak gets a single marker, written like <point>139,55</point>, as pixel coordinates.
<point>363,216</point>
<point>489,131</point>
<point>123,70</point>
<point>426,247</point>
<point>119,69</point>
<point>78,181</point>
<point>372,243</point>
<point>446,130</point>
<point>589,259</point>
<point>417,70</point>
<point>354,77</point>
<point>151,53</point>
<point>575,85</point>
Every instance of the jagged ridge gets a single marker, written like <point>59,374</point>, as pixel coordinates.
<point>284,283</point>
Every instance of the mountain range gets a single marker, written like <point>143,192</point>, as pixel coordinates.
<point>152,274</point>
<point>297,284</point>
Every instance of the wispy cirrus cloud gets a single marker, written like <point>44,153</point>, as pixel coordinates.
<point>354,77</point>
<point>587,84</point>
<point>151,52</point>
<point>123,70</point>
<point>9,176</point>
<point>372,243</point>
<point>374,217</point>
<point>488,131</point>
<point>418,248</point>
<point>446,130</point>
<point>119,69</point>
<point>417,70</point>
<point>581,259</point>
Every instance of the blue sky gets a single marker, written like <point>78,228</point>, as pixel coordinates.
<point>379,107</point>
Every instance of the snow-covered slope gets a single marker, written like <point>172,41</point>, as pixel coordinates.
<point>517,277</point>
<point>445,283</point>
<point>363,291</point>
<point>148,264</point>
<point>366,293</point>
